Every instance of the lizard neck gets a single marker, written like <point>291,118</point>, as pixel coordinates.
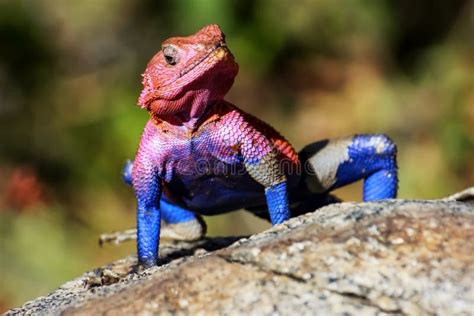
<point>187,122</point>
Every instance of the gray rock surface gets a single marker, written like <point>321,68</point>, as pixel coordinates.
<point>391,257</point>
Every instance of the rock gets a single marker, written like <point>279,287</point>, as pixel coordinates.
<point>389,257</point>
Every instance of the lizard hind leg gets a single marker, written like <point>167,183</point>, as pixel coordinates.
<point>331,164</point>
<point>179,223</point>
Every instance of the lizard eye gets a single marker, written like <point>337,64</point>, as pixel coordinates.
<point>171,55</point>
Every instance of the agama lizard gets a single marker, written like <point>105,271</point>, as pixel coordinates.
<point>201,155</point>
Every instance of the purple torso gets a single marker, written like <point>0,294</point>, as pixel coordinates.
<point>202,171</point>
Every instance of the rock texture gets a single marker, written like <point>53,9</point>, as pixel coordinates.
<point>391,257</point>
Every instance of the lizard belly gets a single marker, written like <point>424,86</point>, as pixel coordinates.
<point>209,176</point>
<point>216,190</point>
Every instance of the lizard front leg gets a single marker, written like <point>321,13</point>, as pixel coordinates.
<point>261,162</point>
<point>147,186</point>
<point>277,202</point>
<point>181,224</point>
<point>331,164</point>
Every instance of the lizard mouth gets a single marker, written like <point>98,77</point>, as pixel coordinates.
<point>213,52</point>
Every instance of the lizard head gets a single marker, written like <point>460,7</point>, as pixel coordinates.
<point>188,74</point>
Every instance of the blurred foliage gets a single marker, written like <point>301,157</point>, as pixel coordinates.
<point>70,76</point>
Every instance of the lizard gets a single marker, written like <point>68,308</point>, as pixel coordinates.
<point>201,155</point>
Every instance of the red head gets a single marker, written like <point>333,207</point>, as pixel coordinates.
<point>188,74</point>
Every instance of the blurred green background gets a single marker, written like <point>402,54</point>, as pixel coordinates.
<point>70,78</point>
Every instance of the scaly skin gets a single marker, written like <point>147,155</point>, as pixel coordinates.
<point>200,155</point>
